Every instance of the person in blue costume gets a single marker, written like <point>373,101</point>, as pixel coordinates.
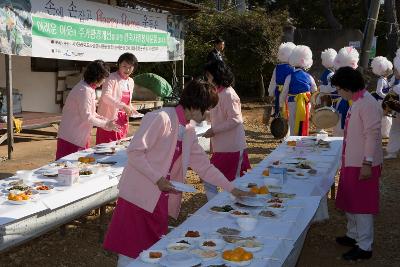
<point>382,68</point>
<point>393,146</point>
<point>297,91</point>
<point>281,71</point>
<point>346,57</point>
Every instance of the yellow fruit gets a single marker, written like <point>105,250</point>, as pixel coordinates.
<point>266,172</point>
<point>239,250</point>
<point>254,189</point>
<point>227,255</point>
<point>263,190</point>
<point>25,197</point>
<point>247,256</point>
<point>236,257</point>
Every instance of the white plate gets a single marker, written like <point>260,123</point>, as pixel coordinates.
<point>45,191</point>
<point>22,202</point>
<point>104,145</point>
<point>251,201</point>
<point>183,187</point>
<point>134,116</point>
<point>238,263</point>
<point>144,256</point>
<point>219,244</point>
<point>251,249</point>
<point>180,260</point>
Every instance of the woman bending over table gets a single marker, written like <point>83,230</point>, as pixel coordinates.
<point>115,102</point>
<point>79,113</point>
<point>358,189</point>
<point>162,149</point>
<point>228,140</point>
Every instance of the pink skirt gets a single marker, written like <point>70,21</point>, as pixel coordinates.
<point>227,163</point>
<point>132,229</point>
<point>103,136</point>
<point>358,196</point>
<point>64,148</point>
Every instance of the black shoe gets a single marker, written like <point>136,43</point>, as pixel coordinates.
<point>346,241</point>
<point>357,253</point>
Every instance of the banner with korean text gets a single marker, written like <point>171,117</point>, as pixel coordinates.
<point>83,30</point>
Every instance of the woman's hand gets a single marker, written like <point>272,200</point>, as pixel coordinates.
<point>166,186</point>
<point>366,172</point>
<point>112,126</point>
<point>128,110</point>
<point>209,133</point>
<point>240,193</point>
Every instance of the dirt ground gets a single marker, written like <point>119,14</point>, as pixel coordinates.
<point>81,247</point>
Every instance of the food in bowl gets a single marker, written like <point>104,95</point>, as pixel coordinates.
<point>85,172</point>
<point>262,190</point>
<point>236,239</point>
<point>291,143</point>
<point>86,159</point>
<point>43,188</point>
<point>265,172</point>
<point>205,254</point>
<point>209,244</point>
<point>276,206</point>
<point>275,200</point>
<point>18,197</point>
<point>240,213</point>
<point>228,231</point>
<point>267,213</point>
<point>238,254</point>
<point>192,234</point>
<point>155,255</point>
<point>226,208</point>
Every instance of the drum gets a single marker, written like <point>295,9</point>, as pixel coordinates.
<point>323,115</point>
<point>391,103</point>
<point>279,127</point>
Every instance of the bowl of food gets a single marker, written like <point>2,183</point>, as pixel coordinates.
<point>178,247</point>
<point>237,257</point>
<point>192,235</point>
<point>239,213</point>
<point>276,207</point>
<point>247,223</point>
<point>250,245</point>
<point>212,244</point>
<point>152,256</point>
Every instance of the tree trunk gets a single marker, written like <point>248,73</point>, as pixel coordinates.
<point>332,21</point>
<point>393,29</point>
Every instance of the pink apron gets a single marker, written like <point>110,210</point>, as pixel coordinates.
<point>354,195</point>
<point>132,229</point>
<point>228,162</point>
<point>65,148</point>
<point>103,136</point>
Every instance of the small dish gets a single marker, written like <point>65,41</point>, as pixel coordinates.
<point>152,256</point>
<point>239,213</point>
<point>212,244</point>
<point>178,247</point>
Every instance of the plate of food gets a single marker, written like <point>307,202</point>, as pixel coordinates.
<point>239,213</point>
<point>267,214</point>
<point>283,195</point>
<point>275,200</point>
<point>221,209</point>
<point>178,247</point>
<point>180,260</point>
<point>251,201</point>
<point>152,256</point>
<point>276,207</point>
<point>18,199</point>
<point>237,257</point>
<point>212,244</point>
<point>192,234</point>
<point>205,254</point>
<point>233,239</point>
<point>44,189</point>
<point>251,245</point>
<point>228,231</point>
<point>85,172</point>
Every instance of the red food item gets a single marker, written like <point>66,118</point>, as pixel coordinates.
<point>42,187</point>
<point>155,255</point>
<point>192,234</point>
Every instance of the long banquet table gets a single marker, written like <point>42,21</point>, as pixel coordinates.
<point>283,237</point>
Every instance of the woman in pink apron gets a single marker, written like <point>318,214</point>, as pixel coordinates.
<point>358,189</point>
<point>115,101</point>
<point>228,140</point>
<point>79,113</point>
<point>161,151</point>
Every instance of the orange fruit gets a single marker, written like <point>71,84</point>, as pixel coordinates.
<point>11,196</point>
<point>263,190</point>
<point>227,255</point>
<point>25,197</point>
<point>254,189</point>
<point>247,256</point>
<point>236,257</point>
<point>239,250</point>
<point>18,198</point>
<point>265,172</point>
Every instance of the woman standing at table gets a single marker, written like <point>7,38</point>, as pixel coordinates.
<point>79,113</point>
<point>115,101</point>
<point>162,149</point>
<point>358,189</point>
<point>228,140</point>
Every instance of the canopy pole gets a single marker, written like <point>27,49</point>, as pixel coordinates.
<point>183,72</point>
<point>10,137</point>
